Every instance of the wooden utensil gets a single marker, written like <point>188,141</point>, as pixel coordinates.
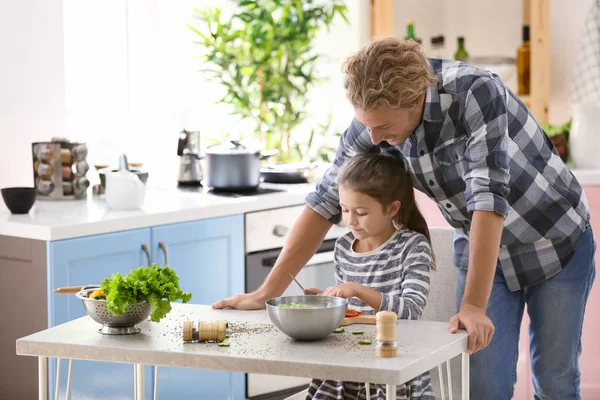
<point>72,289</point>
<point>361,319</point>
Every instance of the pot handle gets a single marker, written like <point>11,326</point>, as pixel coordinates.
<point>264,155</point>
<point>236,143</point>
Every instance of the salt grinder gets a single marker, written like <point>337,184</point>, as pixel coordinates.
<point>204,331</point>
<point>387,347</point>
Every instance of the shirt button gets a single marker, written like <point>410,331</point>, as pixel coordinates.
<point>430,182</point>
<point>422,152</point>
<point>448,205</point>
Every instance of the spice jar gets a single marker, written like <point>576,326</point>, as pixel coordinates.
<point>67,173</point>
<point>387,347</point>
<point>204,331</point>
<point>66,156</point>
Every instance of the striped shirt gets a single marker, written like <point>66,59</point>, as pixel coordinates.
<point>400,270</point>
<point>478,148</point>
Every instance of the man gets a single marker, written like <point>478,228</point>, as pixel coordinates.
<point>522,233</point>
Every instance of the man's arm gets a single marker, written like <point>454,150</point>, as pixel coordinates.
<point>484,245</point>
<point>486,180</point>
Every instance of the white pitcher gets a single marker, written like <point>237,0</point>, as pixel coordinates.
<point>584,138</point>
<point>124,190</point>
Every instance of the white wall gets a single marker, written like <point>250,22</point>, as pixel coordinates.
<point>493,28</point>
<point>567,25</point>
<point>32,85</point>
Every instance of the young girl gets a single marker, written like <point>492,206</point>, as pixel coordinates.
<point>383,263</point>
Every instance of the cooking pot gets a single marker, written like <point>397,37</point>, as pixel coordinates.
<point>233,165</point>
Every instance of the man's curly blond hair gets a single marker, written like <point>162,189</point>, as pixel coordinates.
<point>387,73</point>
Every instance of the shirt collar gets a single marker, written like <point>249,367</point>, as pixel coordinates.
<point>433,108</point>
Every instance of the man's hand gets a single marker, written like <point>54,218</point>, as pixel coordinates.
<point>251,301</point>
<point>477,324</point>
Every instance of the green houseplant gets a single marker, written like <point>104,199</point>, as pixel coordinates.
<point>261,52</point>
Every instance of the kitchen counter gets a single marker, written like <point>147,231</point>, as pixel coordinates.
<point>57,220</point>
<point>587,177</point>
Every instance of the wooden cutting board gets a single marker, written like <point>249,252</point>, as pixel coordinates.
<point>361,319</point>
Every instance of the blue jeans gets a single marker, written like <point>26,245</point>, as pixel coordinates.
<point>556,307</point>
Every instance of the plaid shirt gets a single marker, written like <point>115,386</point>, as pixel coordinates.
<point>479,148</point>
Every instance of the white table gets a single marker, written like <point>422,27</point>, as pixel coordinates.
<point>422,345</point>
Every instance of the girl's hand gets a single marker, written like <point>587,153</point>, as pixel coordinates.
<point>313,291</point>
<point>345,290</point>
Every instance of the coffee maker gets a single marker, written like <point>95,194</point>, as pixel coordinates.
<point>190,171</point>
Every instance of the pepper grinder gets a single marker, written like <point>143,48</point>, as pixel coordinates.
<point>387,347</point>
<point>204,331</point>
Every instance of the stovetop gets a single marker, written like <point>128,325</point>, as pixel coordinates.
<point>228,193</point>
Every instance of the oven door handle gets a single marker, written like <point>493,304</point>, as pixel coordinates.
<point>319,258</point>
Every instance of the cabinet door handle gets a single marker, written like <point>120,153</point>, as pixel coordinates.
<point>164,249</point>
<point>147,251</point>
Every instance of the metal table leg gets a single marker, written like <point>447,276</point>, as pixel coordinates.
<point>43,378</point>
<point>390,392</point>
<point>465,376</point>
<point>139,381</point>
<point>68,394</point>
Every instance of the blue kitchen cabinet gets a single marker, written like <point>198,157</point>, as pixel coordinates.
<point>85,261</point>
<point>208,256</point>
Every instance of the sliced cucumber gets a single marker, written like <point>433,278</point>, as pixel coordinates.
<point>364,341</point>
<point>357,332</point>
<point>224,344</point>
<point>339,330</point>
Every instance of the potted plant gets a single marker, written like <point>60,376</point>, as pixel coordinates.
<point>559,135</point>
<point>262,52</point>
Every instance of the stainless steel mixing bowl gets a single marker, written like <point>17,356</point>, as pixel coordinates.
<point>323,315</point>
<point>114,324</point>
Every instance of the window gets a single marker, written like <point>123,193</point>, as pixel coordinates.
<point>132,81</point>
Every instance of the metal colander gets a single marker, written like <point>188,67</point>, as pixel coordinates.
<point>114,324</point>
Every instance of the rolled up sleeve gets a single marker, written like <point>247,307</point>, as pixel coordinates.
<point>325,200</point>
<point>487,174</point>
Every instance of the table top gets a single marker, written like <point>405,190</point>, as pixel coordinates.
<point>256,346</point>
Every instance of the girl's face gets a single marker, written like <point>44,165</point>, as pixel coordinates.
<point>365,216</point>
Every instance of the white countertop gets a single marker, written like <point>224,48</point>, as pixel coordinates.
<point>422,345</point>
<point>587,177</point>
<point>56,220</point>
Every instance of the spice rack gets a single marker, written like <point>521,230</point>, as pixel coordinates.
<point>536,14</point>
<point>59,169</point>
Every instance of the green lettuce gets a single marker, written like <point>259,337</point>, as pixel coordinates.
<point>159,286</point>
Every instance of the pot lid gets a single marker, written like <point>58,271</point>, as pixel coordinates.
<point>233,147</point>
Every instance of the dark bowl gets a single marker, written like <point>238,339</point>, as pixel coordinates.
<point>19,200</point>
<point>142,175</point>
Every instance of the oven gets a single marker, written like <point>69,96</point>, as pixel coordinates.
<point>265,234</point>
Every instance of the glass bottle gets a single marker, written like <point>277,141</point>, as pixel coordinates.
<point>461,53</point>
<point>410,30</point>
<point>524,64</point>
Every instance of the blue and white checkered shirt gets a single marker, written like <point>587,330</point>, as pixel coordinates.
<point>479,148</point>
